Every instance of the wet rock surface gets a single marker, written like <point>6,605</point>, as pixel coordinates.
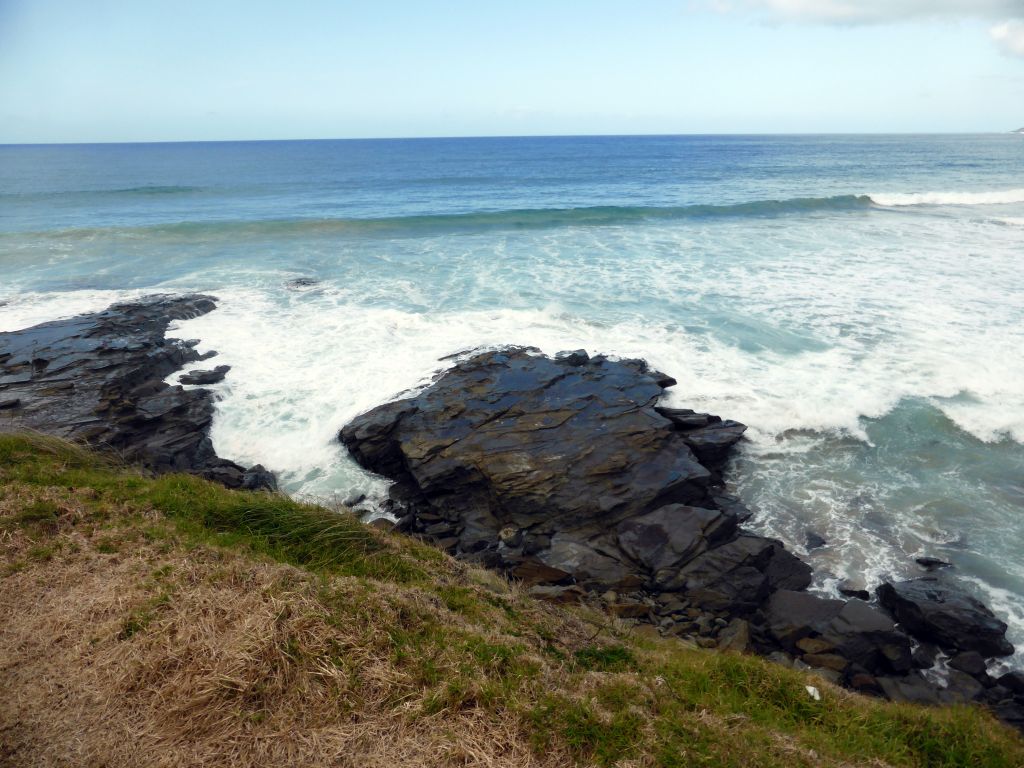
<point>936,611</point>
<point>205,378</point>
<point>567,474</point>
<point>566,470</point>
<point>99,378</point>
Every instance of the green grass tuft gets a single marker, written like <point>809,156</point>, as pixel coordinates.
<point>269,524</point>
<point>614,658</point>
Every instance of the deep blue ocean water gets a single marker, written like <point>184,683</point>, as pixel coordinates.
<point>858,301</point>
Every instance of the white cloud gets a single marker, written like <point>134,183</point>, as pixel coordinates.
<point>874,11</point>
<point>1009,36</point>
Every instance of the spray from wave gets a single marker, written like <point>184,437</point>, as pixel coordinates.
<point>901,200</point>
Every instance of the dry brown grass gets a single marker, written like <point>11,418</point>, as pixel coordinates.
<point>136,637</point>
<point>241,664</point>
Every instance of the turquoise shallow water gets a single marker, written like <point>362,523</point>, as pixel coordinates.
<point>858,301</point>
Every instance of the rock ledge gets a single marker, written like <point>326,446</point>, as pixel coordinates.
<point>566,474</point>
<point>99,379</point>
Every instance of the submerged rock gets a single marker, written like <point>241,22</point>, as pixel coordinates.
<point>299,283</point>
<point>99,378</point>
<point>814,540</point>
<point>932,563</point>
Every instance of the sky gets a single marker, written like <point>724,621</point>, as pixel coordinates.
<point>154,70</point>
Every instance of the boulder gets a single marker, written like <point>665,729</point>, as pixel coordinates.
<point>555,594</point>
<point>868,637</point>
<point>735,636</point>
<point>814,540</point>
<point>792,616</point>
<point>911,688</point>
<point>671,536</point>
<point>853,588</point>
<point>710,438</point>
<point>713,443</point>
<point>925,655</point>
<point>588,566</point>
<point>527,439</point>
<point>258,478</point>
<point>971,662</point>
<point>937,611</point>
<point>203,378</point>
<point>832,661</point>
<point>1011,713</point>
<point>962,687</point>
<point>860,634</point>
<point>739,575</point>
<point>1013,681</point>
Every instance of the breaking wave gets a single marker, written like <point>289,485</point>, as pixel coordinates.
<point>900,200</point>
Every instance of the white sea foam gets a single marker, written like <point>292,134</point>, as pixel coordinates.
<point>25,309</point>
<point>999,197</point>
<point>803,330</point>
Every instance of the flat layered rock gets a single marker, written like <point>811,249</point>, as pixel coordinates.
<point>566,470</point>
<point>205,378</point>
<point>864,638</point>
<point>935,610</point>
<point>99,379</point>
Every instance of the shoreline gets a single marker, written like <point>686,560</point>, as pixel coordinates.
<point>715,623</point>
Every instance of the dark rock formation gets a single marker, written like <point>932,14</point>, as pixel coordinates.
<point>567,475</point>
<point>853,588</point>
<point>814,540</point>
<point>851,635</point>
<point>936,611</point>
<point>99,379</point>
<point>1013,681</point>
<point>205,378</point>
<point>564,470</point>
<point>932,563</point>
<point>302,282</point>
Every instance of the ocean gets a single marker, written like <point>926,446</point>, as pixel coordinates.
<point>858,301</point>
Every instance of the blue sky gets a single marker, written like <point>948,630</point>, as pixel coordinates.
<point>150,70</point>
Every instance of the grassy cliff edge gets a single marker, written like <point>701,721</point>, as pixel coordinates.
<point>168,621</point>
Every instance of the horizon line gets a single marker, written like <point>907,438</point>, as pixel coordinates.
<point>508,136</point>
